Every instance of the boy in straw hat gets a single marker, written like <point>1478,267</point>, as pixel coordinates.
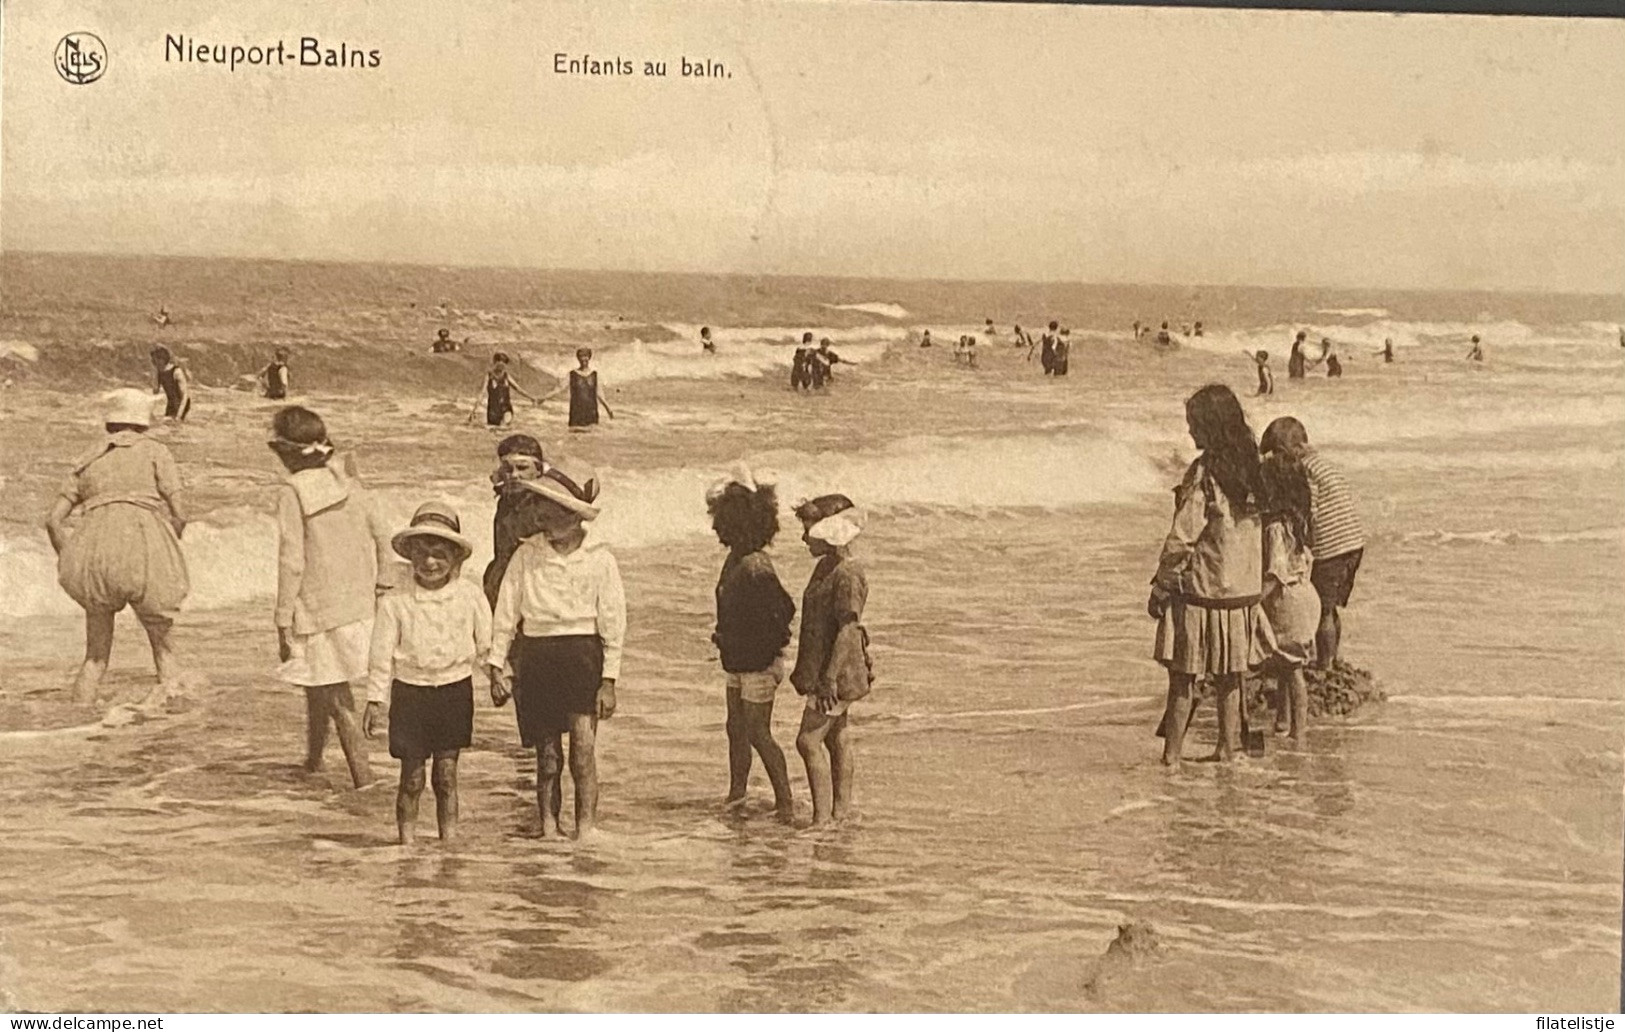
<point>426,641</point>
<point>832,663</point>
<point>562,612</point>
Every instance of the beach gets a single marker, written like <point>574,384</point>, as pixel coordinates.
<point>1457,847</point>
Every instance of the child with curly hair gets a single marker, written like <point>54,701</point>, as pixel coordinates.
<point>753,628</point>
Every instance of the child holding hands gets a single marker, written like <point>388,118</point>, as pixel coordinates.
<point>426,640</point>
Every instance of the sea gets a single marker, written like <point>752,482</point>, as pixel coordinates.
<point>1455,847</point>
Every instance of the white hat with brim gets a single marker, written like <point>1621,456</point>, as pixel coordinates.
<point>129,405</point>
<point>569,485</point>
<point>434,520</point>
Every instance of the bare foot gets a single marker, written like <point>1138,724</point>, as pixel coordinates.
<point>408,834</point>
<point>586,831</point>
<point>785,814</point>
<point>87,685</point>
<point>733,802</point>
<point>551,830</point>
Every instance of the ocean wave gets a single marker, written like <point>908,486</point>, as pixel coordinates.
<point>883,308</point>
<point>683,360</point>
<point>1355,313</point>
<point>1502,538</point>
<point>1406,335</point>
<point>18,349</point>
<point>231,555</point>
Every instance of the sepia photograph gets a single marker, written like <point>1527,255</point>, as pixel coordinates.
<point>805,506</point>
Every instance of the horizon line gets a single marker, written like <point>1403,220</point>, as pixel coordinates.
<point>6,252</point>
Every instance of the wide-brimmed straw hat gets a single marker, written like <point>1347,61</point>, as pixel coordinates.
<point>436,520</point>
<point>745,477</point>
<point>129,405</point>
<point>570,484</point>
<point>831,518</point>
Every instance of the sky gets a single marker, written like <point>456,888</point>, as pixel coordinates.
<point>854,138</point>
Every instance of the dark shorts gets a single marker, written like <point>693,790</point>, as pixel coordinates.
<point>1334,578</point>
<point>555,679</point>
<point>424,721</point>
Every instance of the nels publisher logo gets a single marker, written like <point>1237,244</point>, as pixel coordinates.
<point>81,58</point>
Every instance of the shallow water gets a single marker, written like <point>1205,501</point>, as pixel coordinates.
<point>1456,848</point>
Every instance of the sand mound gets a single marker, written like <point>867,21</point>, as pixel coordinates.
<point>1341,690</point>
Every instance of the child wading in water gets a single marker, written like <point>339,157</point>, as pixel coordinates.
<point>519,457</point>
<point>426,641</point>
<point>832,663</point>
<point>562,609</point>
<point>333,560</point>
<point>753,627</point>
<point>126,550</point>
<point>1205,595</point>
<point>1290,600</point>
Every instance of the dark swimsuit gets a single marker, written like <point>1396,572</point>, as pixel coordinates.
<point>498,399</point>
<point>276,381</point>
<point>175,407</point>
<point>583,398</point>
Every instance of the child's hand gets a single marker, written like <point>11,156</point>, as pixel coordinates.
<point>500,691</point>
<point>1156,605</point>
<point>284,650</point>
<point>827,698</point>
<point>606,698</point>
<point>370,719</point>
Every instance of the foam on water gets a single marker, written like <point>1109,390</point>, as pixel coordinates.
<point>1406,334</point>
<point>885,308</point>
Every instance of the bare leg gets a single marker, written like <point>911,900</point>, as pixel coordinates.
<point>406,799</point>
<point>1228,687</point>
<point>158,630</point>
<point>445,794</point>
<point>1329,635</point>
<point>810,744</point>
<point>350,739</point>
<point>549,796</point>
<point>98,650</point>
<point>759,729</point>
<point>584,770</point>
<point>1299,691</point>
<point>317,708</point>
<point>843,764</point>
<point>1176,716</point>
<point>1281,700</point>
<point>738,748</point>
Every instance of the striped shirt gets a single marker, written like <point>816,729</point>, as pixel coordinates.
<point>1334,526</point>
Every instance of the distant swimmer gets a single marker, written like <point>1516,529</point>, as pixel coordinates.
<point>1297,362</point>
<point>173,382</point>
<point>1387,351</point>
<point>1046,357</point>
<point>800,379</point>
<point>1198,331</point>
<point>1136,329</point>
<point>443,344</point>
<point>1186,331</point>
<point>499,390</point>
<point>162,318</point>
<point>274,383</point>
<point>990,331</point>
<point>1334,368</point>
<point>1022,339</point>
<point>1063,351</point>
<point>1477,352</point>
<point>1164,338</point>
<point>1325,350</point>
<point>1266,379</point>
<point>925,339</point>
<point>584,399</point>
<point>707,345</point>
<point>824,362</point>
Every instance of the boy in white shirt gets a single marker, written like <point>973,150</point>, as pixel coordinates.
<point>427,639</point>
<point>563,609</point>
